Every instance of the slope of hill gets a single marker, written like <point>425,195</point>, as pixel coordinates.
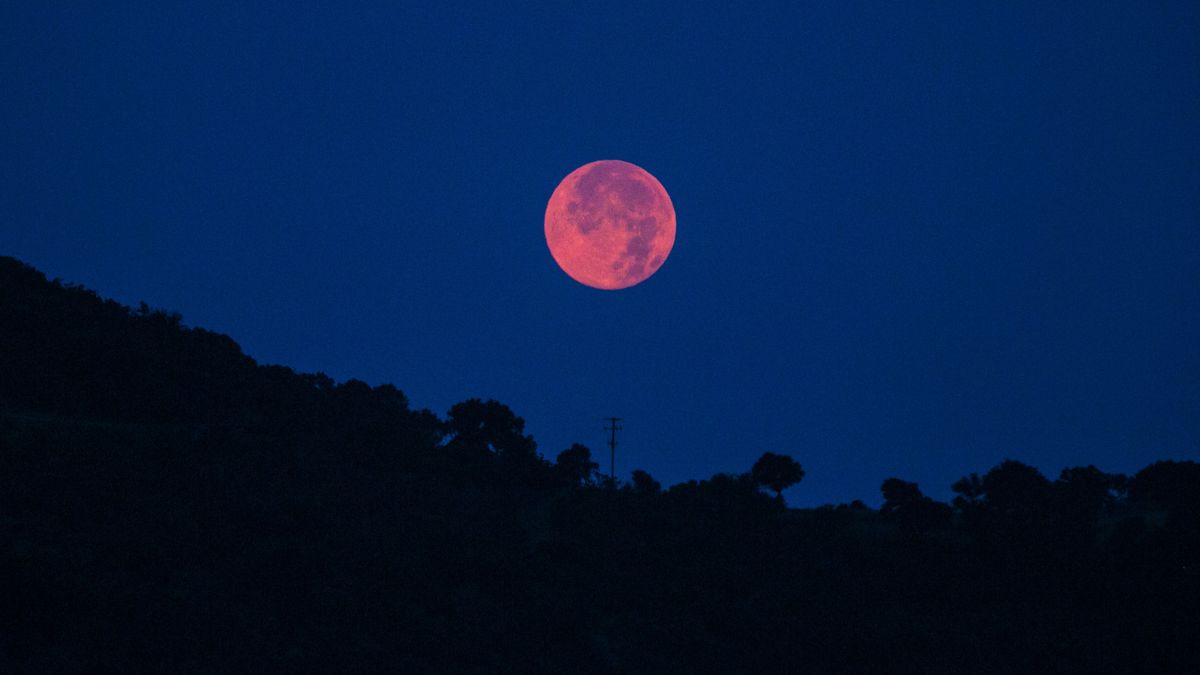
<point>169,505</point>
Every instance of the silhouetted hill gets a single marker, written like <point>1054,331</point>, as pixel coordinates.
<point>70,352</point>
<point>169,505</point>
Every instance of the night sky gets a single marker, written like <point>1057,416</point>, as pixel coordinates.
<point>913,240</point>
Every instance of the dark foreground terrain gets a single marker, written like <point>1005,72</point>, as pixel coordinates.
<point>169,505</point>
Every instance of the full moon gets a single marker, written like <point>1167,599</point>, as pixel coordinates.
<point>610,224</point>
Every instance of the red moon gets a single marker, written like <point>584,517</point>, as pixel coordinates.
<point>610,224</point>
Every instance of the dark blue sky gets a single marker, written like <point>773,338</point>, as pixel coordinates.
<point>913,239</point>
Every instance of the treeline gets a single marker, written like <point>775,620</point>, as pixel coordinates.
<point>169,505</point>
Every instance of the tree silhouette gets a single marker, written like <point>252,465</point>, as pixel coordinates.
<point>915,513</point>
<point>777,472</point>
<point>1016,490</point>
<point>1080,496</point>
<point>898,494</point>
<point>969,490</point>
<point>488,427</point>
<point>1170,485</point>
<point>575,465</point>
<point>644,483</point>
<point>1088,491</point>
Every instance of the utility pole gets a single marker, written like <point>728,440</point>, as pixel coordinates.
<point>612,445</point>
